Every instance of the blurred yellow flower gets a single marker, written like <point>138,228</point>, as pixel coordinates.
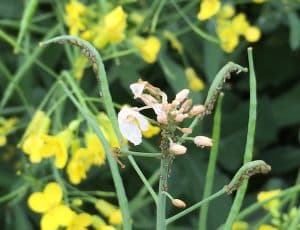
<point>252,34</point>
<point>151,131</point>
<point>79,165</point>
<point>149,47</point>
<point>79,65</point>
<point>48,202</point>
<point>95,148</point>
<point>74,13</point>
<point>39,124</point>
<point>80,222</point>
<point>6,126</point>
<point>259,1</point>
<point>227,11</point>
<point>107,128</point>
<point>115,24</point>
<point>208,8</point>
<point>195,82</point>
<point>228,36</point>
<point>240,23</point>
<point>99,224</point>
<point>267,227</point>
<point>175,43</point>
<point>240,225</point>
<point>110,211</point>
<point>273,204</point>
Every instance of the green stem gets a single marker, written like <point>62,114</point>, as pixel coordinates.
<point>139,154</point>
<point>235,208</point>
<point>195,206</point>
<point>13,194</point>
<point>211,164</point>
<point>161,199</point>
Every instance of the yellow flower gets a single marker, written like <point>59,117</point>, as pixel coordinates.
<point>151,131</point>
<point>175,43</point>
<point>240,225</point>
<point>48,202</point>
<point>115,24</point>
<point>208,8</point>
<point>228,36</point>
<point>252,34</point>
<point>79,165</point>
<point>240,23</point>
<point>267,227</point>
<point>79,65</point>
<point>95,148</point>
<point>80,222</point>
<point>74,13</point>
<point>195,82</point>
<point>110,211</point>
<point>273,204</point>
<point>32,146</point>
<point>107,128</point>
<point>259,1</point>
<point>2,140</point>
<point>39,124</point>
<point>99,224</point>
<point>149,48</point>
<point>227,11</point>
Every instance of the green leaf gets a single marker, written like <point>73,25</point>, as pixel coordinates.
<point>294,23</point>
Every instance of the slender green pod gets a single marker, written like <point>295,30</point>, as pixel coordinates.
<point>217,84</point>
<point>245,172</point>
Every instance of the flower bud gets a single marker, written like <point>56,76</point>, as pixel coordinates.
<point>177,149</point>
<point>180,117</point>
<point>186,130</point>
<point>181,96</point>
<point>202,141</point>
<point>162,118</point>
<point>178,203</point>
<point>187,105</point>
<point>197,110</point>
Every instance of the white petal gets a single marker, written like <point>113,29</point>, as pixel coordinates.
<point>131,132</point>
<point>143,122</point>
<point>137,89</point>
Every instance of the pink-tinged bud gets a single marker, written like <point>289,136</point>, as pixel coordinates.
<point>177,149</point>
<point>162,119</point>
<point>148,99</point>
<point>186,130</point>
<point>186,106</point>
<point>178,203</point>
<point>182,95</point>
<point>197,110</point>
<point>180,117</point>
<point>202,141</point>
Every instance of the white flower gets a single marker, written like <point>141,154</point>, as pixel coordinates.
<point>131,124</point>
<point>138,88</point>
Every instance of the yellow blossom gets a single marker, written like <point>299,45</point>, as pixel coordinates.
<point>151,131</point>
<point>32,146</point>
<point>267,227</point>
<point>259,1</point>
<point>108,130</point>
<point>2,140</point>
<point>95,148</point>
<point>252,34</point>
<point>240,23</point>
<point>74,13</point>
<point>48,202</point>
<point>99,224</point>
<point>175,43</point>
<point>195,82</point>
<point>208,8</point>
<point>80,222</point>
<point>115,24</point>
<point>273,204</point>
<point>78,166</point>
<point>240,225</point>
<point>39,124</point>
<point>228,36</point>
<point>110,211</point>
<point>149,47</point>
<point>227,11</point>
<point>79,65</point>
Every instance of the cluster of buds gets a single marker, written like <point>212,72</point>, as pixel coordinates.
<point>174,112</point>
<point>169,115</point>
